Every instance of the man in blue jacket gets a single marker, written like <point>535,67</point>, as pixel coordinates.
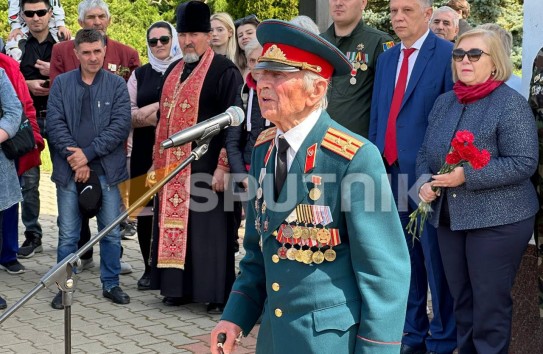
<point>409,78</point>
<point>88,114</point>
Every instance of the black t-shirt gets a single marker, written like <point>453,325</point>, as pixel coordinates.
<point>33,50</point>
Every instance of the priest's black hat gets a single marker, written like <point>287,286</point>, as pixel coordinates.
<point>193,16</point>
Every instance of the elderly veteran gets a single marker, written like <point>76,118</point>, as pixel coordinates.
<point>329,266</point>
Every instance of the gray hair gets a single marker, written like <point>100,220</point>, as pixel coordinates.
<point>445,9</point>
<point>426,3</point>
<point>251,46</point>
<point>309,81</point>
<point>86,5</point>
<point>306,23</point>
<point>505,37</point>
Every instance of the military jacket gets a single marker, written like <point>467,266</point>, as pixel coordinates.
<point>348,300</point>
<point>349,96</point>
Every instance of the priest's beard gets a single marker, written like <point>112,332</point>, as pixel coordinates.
<point>191,58</point>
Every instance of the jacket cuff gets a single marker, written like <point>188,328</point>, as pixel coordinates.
<point>241,310</point>
<point>90,153</point>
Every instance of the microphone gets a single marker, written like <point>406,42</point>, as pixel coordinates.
<point>233,116</point>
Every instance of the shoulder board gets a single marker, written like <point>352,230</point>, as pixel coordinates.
<point>266,136</point>
<point>341,143</point>
<point>388,45</point>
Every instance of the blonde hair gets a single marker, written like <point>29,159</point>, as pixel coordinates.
<point>496,51</point>
<point>228,22</point>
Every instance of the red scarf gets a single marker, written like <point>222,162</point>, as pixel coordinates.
<point>468,94</point>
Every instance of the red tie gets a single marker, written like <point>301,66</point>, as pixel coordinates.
<point>391,146</point>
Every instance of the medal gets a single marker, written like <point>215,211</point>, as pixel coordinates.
<point>306,235</point>
<point>287,231</point>
<point>282,252</point>
<point>275,258</point>
<point>330,255</point>
<point>323,236</point>
<point>315,192</point>
<point>297,232</point>
<point>352,81</point>
<point>263,207</point>
<point>300,256</point>
<point>318,257</point>
<point>291,253</point>
<point>356,65</point>
<point>266,223</point>
<point>363,66</point>
<point>259,193</point>
<point>314,233</point>
<point>307,256</point>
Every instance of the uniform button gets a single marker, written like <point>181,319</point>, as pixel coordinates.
<point>275,286</point>
<point>278,313</point>
<point>274,233</point>
<point>275,258</point>
<point>454,195</point>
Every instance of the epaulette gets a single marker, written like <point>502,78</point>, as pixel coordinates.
<point>266,136</point>
<point>388,45</point>
<point>341,143</point>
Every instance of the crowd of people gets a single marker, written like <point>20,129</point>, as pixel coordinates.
<point>329,261</point>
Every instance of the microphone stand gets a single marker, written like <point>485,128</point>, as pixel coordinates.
<point>62,274</point>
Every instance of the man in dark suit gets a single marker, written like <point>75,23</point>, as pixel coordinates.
<point>325,261</point>
<point>409,78</point>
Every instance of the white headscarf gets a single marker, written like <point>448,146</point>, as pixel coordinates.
<point>161,65</point>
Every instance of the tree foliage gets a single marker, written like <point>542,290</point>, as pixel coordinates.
<point>131,18</point>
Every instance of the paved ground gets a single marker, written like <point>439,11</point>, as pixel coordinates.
<point>98,325</point>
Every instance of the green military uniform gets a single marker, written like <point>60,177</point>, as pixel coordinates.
<point>536,102</point>
<point>349,97</point>
<point>345,288</point>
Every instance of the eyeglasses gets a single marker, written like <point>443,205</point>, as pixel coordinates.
<point>247,19</point>
<point>154,41</point>
<point>473,54</point>
<point>40,13</point>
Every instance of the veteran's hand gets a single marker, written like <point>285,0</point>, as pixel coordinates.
<point>232,332</point>
<point>150,180</point>
<point>426,194</point>
<point>77,159</point>
<point>219,180</point>
<point>82,174</point>
<point>453,179</point>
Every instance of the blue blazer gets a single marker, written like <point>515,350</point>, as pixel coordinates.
<point>501,192</point>
<point>431,76</point>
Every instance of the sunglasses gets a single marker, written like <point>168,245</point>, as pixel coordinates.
<point>473,54</point>
<point>154,41</point>
<point>40,13</point>
<point>247,19</point>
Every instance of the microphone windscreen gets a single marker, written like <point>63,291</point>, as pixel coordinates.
<point>236,114</point>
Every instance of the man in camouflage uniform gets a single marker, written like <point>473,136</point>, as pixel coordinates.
<point>536,102</point>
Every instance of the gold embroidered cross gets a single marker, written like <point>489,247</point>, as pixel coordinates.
<point>176,200</point>
<point>170,106</point>
<point>185,105</point>
<point>178,153</point>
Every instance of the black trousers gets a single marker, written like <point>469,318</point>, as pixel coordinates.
<point>480,267</point>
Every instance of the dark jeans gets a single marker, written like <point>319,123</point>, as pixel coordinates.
<point>480,266</point>
<point>30,207</point>
<point>10,229</point>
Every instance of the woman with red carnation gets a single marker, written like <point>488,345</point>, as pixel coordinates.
<point>484,216</point>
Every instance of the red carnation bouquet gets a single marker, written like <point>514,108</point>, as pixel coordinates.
<point>462,151</point>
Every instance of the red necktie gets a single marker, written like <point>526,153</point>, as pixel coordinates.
<point>391,146</point>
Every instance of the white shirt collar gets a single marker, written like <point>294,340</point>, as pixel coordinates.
<point>296,136</point>
<point>418,44</point>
